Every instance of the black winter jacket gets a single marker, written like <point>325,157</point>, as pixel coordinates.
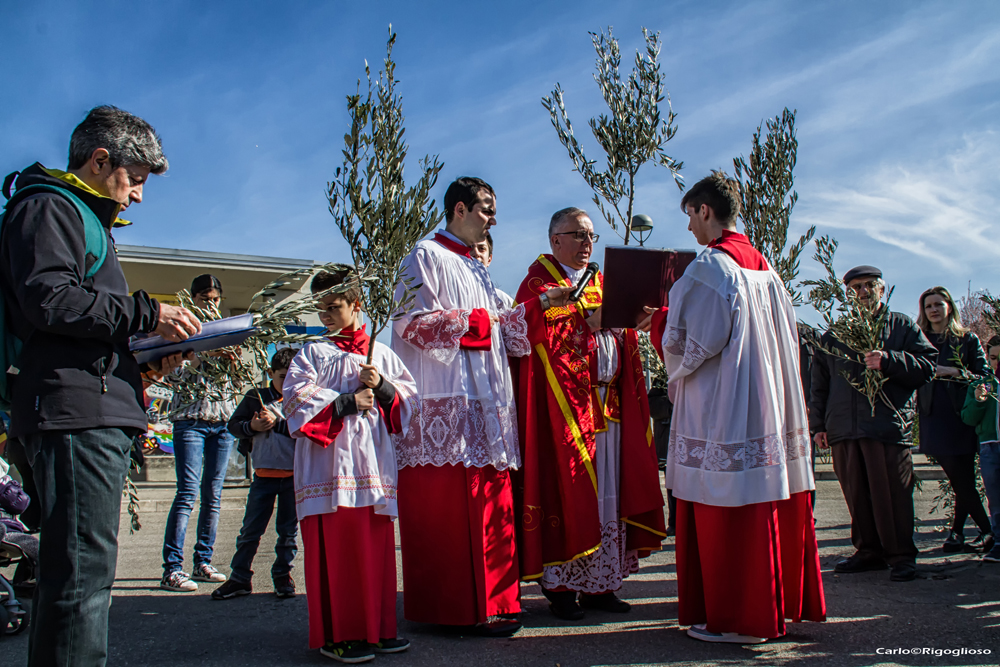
<point>970,352</point>
<point>840,410</point>
<point>75,369</point>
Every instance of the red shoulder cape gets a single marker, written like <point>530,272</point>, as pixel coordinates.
<point>738,247</point>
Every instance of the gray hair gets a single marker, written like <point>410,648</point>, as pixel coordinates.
<point>128,139</point>
<point>559,216</point>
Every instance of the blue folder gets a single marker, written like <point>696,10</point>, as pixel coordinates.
<point>214,335</point>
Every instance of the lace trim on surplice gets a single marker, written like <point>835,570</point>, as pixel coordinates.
<point>602,570</point>
<point>514,328</point>
<point>456,430</point>
<point>438,333</point>
<point>771,450</point>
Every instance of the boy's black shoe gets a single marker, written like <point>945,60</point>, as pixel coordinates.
<point>605,602</point>
<point>904,571</point>
<point>954,543</point>
<point>284,586</point>
<point>231,589</point>
<point>394,645</point>
<point>349,652</point>
<point>859,563</point>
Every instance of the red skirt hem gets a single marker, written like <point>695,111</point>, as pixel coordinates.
<point>456,531</point>
<point>748,569</point>
<point>350,569</point>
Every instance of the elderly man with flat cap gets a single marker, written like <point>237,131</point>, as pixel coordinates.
<point>871,453</point>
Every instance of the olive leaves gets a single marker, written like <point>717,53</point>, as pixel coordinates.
<point>379,217</point>
<point>633,134</point>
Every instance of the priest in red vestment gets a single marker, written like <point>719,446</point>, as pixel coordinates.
<point>589,494</point>
<point>739,458</point>
<point>456,508</point>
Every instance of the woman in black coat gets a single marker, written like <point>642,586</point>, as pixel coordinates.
<point>943,434</point>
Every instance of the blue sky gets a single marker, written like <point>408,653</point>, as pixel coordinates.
<point>899,142</point>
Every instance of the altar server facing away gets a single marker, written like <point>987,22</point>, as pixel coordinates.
<point>738,462</point>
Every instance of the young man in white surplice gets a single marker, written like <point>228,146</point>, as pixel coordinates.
<point>455,498</point>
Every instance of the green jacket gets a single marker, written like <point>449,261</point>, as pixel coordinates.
<point>982,414</point>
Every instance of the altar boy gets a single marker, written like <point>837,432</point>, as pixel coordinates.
<point>341,411</point>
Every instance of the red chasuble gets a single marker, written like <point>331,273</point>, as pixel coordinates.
<point>559,412</point>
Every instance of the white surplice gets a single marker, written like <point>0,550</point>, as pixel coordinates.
<point>359,468</point>
<point>739,433</point>
<point>464,413</point>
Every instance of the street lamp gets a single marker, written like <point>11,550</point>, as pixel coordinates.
<point>642,227</point>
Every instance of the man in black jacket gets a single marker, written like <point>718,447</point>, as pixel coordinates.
<point>76,388</point>
<point>871,453</point>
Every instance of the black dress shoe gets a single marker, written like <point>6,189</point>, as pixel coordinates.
<point>904,571</point>
<point>859,563</point>
<point>564,605</point>
<point>502,627</point>
<point>955,543</point>
<point>982,544</point>
<point>605,602</point>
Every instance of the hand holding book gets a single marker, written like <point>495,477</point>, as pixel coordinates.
<point>176,324</point>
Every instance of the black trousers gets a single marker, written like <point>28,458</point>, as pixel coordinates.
<point>877,481</point>
<point>961,472</point>
<point>79,475</point>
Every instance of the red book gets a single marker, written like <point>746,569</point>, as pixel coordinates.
<point>635,277</point>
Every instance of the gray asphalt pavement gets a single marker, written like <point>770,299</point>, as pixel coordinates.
<point>953,605</point>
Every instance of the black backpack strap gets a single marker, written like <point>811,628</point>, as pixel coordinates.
<point>7,182</point>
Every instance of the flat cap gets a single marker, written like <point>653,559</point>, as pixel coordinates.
<point>863,271</point>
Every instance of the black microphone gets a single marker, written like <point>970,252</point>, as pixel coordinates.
<point>591,271</point>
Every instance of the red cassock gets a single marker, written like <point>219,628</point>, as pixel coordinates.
<point>350,566</point>
<point>746,569</point>
<point>559,413</point>
<point>462,570</point>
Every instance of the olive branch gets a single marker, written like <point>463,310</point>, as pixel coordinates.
<point>634,134</point>
<point>379,217</point>
<point>856,325</point>
<point>766,197</point>
<point>225,375</point>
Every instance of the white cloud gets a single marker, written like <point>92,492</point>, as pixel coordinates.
<point>942,212</point>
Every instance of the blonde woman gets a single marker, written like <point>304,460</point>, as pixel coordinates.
<point>943,434</point>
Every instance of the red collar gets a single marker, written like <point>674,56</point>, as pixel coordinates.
<point>738,247</point>
<point>457,248</point>
<point>353,340</point>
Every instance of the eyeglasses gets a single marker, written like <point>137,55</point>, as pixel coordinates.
<point>868,286</point>
<point>580,236</point>
<point>211,299</point>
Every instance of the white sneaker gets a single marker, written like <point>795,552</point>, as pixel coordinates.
<point>178,581</point>
<point>206,572</point>
<point>700,632</point>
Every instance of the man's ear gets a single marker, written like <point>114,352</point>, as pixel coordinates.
<point>357,306</point>
<point>98,159</point>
